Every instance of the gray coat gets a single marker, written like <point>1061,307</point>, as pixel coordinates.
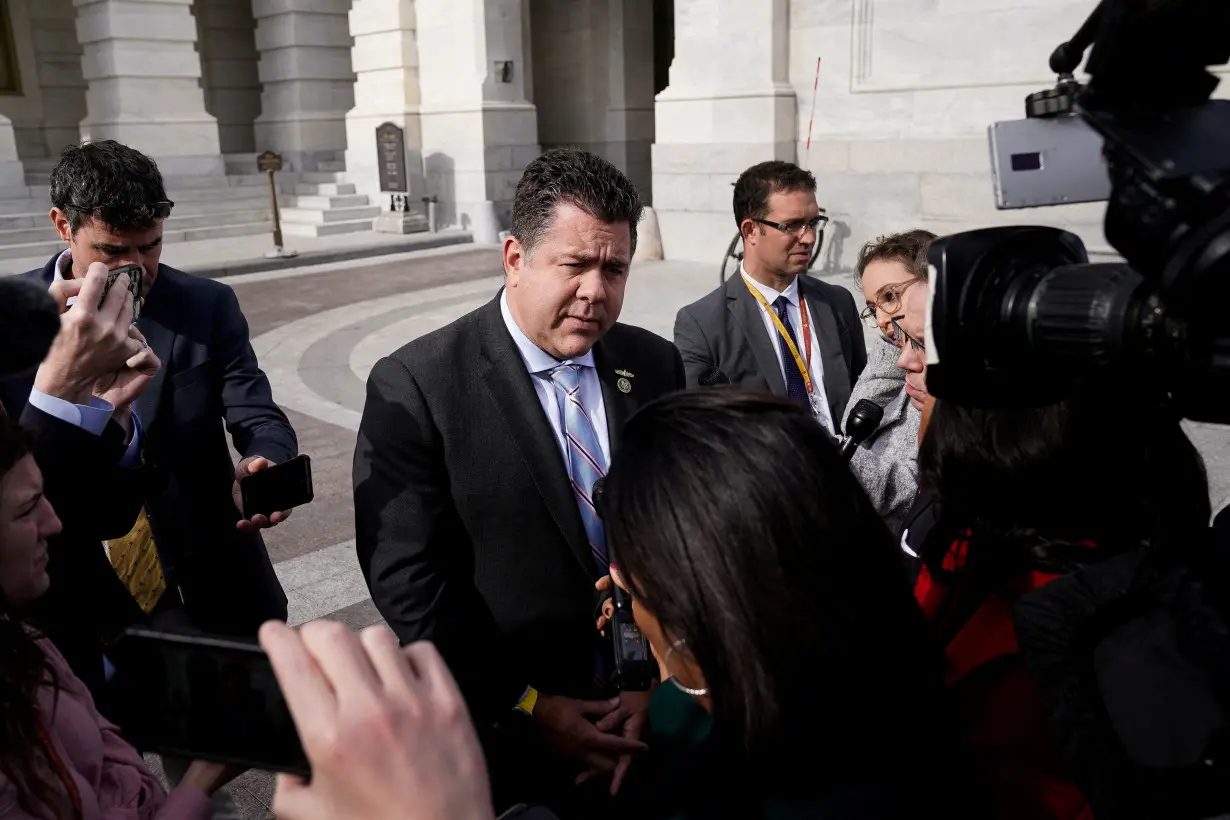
<point>886,464</point>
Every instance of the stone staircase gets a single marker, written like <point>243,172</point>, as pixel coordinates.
<point>316,203</point>
<point>325,204</point>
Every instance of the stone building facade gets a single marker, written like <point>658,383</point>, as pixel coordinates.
<point>681,94</point>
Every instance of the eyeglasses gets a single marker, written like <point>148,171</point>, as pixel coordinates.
<point>889,302</point>
<point>160,209</point>
<point>900,337</point>
<point>799,228</point>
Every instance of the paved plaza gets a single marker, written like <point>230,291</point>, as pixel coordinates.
<point>318,331</point>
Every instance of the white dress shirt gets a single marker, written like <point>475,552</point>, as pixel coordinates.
<point>92,418</point>
<point>540,364</point>
<point>814,363</point>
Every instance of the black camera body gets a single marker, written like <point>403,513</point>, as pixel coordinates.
<point>1018,316</point>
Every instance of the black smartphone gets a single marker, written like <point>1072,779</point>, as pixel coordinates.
<point>203,698</point>
<point>135,272</point>
<point>277,488</point>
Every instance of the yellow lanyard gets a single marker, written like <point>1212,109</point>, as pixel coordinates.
<point>781,329</point>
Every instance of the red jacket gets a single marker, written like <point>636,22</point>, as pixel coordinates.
<point>1002,719</point>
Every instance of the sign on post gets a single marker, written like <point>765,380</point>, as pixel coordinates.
<point>271,162</point>
<point>391,154</point>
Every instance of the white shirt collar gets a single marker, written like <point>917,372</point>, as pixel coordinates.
<point>535,358</point>
<point>63,262</point>
<point>791,292</point>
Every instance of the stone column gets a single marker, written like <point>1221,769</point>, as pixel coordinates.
<point>729,105</point>
<point>386,63</point>
<point>53,28</point>
<point>598,97</point>
<point>229,70</point>
<point>479,129</point>
<point>308,81</point>
<point>144,79</point>
<point>12,172</point>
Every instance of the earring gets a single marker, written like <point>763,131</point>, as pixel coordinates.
<point>674,679</point>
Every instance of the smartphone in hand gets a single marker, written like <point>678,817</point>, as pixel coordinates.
<point>278,488</point>
<point>135,274</point>
<point>202,698</point>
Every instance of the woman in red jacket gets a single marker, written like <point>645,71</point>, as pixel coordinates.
<point>1027,495</point>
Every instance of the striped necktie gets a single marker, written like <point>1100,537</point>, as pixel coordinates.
<point>584,454</point>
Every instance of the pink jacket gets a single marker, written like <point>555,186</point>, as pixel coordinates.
<point>111,777</point>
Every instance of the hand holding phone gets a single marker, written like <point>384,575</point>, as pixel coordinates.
<point>266,492</point>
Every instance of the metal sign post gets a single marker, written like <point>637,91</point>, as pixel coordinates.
<point>271,163</point>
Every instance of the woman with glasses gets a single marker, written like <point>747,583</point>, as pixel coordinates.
<point>796,667</point>
<point>889,270</point>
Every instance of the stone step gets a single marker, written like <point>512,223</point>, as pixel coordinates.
<point>10,222</point>
<point>179,222</point>
<point>218,232</point>
<point>327,229</point>
<point>219,200</point>
<point>331,165</point>
<point>22,236</point>
<point>321,202</point>
<point>318,217</point>
<point>322,176</point>
<point>22,250</point>
<point>325,189</point>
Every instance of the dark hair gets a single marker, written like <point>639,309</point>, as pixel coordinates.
<point>758,183</point>
<point>108,181</point>
<point>24,669</point>
<point>740,528</point>
<point>909,248</point>
<point>1031,483</point>
<point>571,175</point>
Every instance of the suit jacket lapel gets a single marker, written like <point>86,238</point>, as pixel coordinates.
<point>619,405</point>
<point>824,323</point>
<point>159,316</point>
<point>508,382</point>
<point>749,321</point>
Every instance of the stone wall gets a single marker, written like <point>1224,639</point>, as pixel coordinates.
<point>907,89</point>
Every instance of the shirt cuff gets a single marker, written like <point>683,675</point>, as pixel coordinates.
<point>132,456</point>
<point>92,418</point>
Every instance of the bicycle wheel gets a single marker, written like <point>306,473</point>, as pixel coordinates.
<point>734,251</point>
<point>815,253</point>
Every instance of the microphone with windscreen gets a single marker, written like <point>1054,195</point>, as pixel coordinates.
<point>863,420</point>
<point>29,322</point>
<point>634,663</point>
<point>712,377</point>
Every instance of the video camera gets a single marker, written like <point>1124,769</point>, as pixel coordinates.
<point>1018,316</point>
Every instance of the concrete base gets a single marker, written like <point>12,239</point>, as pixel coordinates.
<point>393,222</point>
<point>648,237</point>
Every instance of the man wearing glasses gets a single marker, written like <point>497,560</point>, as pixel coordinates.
<point>191,559</point>
<point>771,328</point>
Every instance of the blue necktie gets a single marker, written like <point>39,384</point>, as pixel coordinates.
<point>796,388</point>
<point>585,460</point>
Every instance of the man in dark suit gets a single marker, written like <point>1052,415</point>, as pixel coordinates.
<point>771,327</point>
<point>477,452</point>
<point>191,561</point>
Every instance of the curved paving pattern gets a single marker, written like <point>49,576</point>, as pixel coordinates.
<point>311,363</point>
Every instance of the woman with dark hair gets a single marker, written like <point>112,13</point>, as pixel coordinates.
<point>58,757</point>
<point>1027,496</point>
<point>773,596</point>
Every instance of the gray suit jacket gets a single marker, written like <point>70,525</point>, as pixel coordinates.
<point>886,464</point>
<point>724,329</point>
